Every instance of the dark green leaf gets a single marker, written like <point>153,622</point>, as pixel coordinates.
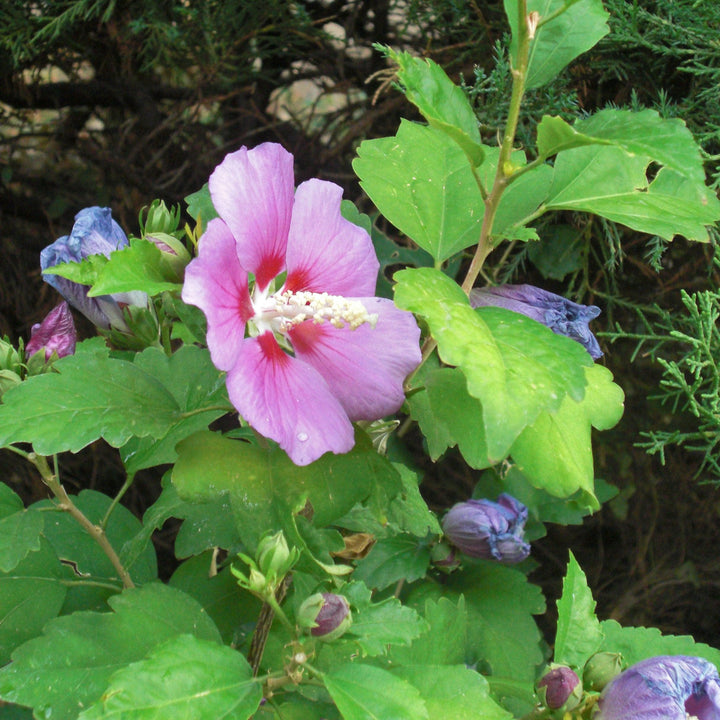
<point>182,678</point>
<point>559,251</point>
<point>393,559</point>
<point>19,535</point>
<point>69,666</point>
<point>30,595</point>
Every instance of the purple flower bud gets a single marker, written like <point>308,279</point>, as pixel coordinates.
<point>561,315</point>
<point>560,687</point>
<point>327,615</point>
<point>94,233</point>
<point>669,687</point>
<point>55,333</point>
<point>490,530</point>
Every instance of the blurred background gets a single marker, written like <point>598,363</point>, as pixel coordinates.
<point>115,103</point>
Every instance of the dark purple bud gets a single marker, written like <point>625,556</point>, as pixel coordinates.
<point>561,315</point>
<point>94,233</point>
<point>560,687</point>
<point>55,333</point>
<point>668,687</point>
<point>326,614</point>
<point>487,529</point>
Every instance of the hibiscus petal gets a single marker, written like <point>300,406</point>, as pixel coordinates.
<point>364,368</point>
<point>286,400</point>
<point>217,283</point>
<point>252,190</point>
<point>326,252</point>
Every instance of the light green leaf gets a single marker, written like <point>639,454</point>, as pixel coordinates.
<point>10,502</point>
<point>578,634</point>
<point>421,181</point>
<point>640,643</point>
<point>515,366</point>
<point>139,266</point>
<point>453,692</point>
<point>91,396</point>
<point>31,593</point>
<point>182,678</point>
<point>555,452</point>
<point>365,692</point>
<point>442,103</point>
<point>605,180</point>
<point>266,488</point>
<point>643,133</point>
<point>69,666</point>
<point>200,205</point>
<point>574,31</point>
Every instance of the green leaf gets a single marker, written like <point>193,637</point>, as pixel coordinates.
<point>393,559</point>
<point>559,252</point>
<point>182,678</point>
<point>643,133</point>
<point>266,488</point>
<point>365,692</point>
<point>201,398</point>
<point>76,547</point>
<point>605,180</point>
<point>578,634</point>
<point>502,636</point>
<point>408,511</point>
<point>555,451</point>
<point>421,181</point>
<point>91,396</point>
<point>19,535</point>
<point>377,625</point>
<point>515,366</point>
<point>639,643</point>
<point>200,205</point>
<point>233,610</point>
<point>579,26</point>
<point>139,266</point>
<point>444,641</point>
<point>85,272</point>
<point>69,666</point>
<point>10,502</point>
<point>449,416</point>
<point>32,593</point>
<point>442,103</point>
<point>453,692</point>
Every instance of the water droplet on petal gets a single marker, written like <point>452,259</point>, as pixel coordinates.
<point>302,437</point>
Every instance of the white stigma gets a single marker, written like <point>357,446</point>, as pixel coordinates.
<point>286,309</point>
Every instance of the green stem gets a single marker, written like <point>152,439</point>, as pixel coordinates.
<point>126,485</point>
<point>96,532</point>
<point>504,167</point>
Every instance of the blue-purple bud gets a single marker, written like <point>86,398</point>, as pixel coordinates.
<point>561,315</point>
<point>326,614</point>
<point>487,529</point>
<point>56,333</point>
<point>560,688</point>
<point>94,233</point>
<point>668,687</point>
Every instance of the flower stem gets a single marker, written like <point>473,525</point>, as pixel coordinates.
<point>504,167</point>
<point>96,532</point>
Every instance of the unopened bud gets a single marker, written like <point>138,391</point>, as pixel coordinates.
<point>560,688</point>
<point>326,614</point>
<point>600,669</point>
<point>56,333</point>
<point>275,559</point>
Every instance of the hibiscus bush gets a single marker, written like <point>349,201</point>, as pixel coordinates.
<point>272,356</point>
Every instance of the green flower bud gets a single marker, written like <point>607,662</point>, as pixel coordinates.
<point>159,219</point>
<point>560,688</point>
<point>274,557</point>
<point>600,669</point>
<point>445,557</point>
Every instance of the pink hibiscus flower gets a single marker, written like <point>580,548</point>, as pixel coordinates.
<point>306,347</point>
